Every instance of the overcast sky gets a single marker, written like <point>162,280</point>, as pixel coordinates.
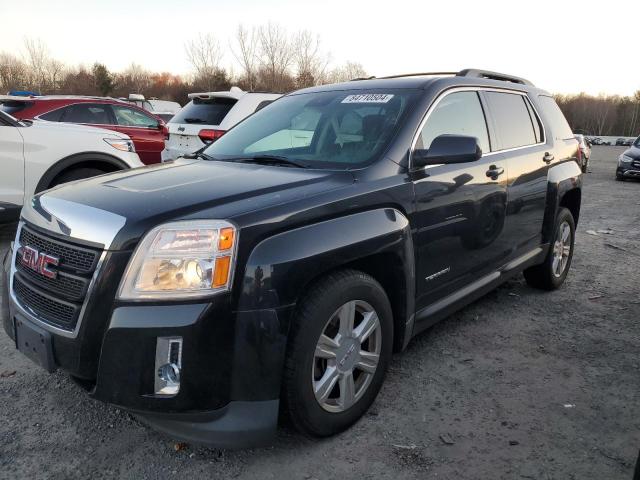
<point>564,46</point>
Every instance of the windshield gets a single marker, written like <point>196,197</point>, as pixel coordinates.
<point>339,129</point>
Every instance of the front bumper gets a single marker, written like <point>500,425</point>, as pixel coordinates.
<point>231,363</point>
<point>628,171</point>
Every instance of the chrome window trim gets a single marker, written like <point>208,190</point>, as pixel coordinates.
<point>477,89</point>
<point>33,316</point>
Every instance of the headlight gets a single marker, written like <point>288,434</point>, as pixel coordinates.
<point>121,144</point>
<point>181,260</point>
<point>624,159</point>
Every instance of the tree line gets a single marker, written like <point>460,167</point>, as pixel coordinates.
<point>267,58</point>
<point>603,114</point>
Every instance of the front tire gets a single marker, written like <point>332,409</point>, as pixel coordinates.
<point>339,349</point>
<point>551,273</point>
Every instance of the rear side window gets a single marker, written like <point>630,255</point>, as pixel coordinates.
<point>96,114</point>
<point>512,120</point>
<point>53,116</point>
<point>559,125</point>
<point>458,114</point>
<point>205,112</point>
<point>13,107</point>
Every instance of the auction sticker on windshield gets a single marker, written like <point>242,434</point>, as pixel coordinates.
<point>368,98</point>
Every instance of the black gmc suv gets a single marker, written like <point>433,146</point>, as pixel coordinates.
<point>278,269</point>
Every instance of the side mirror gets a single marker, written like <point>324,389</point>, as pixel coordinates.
<point>447,149</point>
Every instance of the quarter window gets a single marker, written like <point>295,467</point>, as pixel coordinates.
<point>458,113</point>
<point>512,120</point>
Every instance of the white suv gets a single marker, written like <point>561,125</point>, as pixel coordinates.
<point>37,155</point>
<point>208,116</point>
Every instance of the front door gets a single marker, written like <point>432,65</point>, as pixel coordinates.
<point>145,131</point>
<point>12,164</point>
<point>460,208</point>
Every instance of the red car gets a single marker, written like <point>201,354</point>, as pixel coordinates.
<point>147,131</point>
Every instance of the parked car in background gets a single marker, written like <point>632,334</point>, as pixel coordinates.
<point>165,109</point>
<point>620,142</point>
<point>147,131</point>
<point>629,162</point>
<point>585,150</point>
<point>208,116</point>
<point>37,155</point>
<point>595,141</point>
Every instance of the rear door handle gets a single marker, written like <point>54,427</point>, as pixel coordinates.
<point>494,172</point>
<point>548,158</point>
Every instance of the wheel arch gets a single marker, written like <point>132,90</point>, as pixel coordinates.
<point>378,242</point>
<point>99,160</point>
<point>564,189</point>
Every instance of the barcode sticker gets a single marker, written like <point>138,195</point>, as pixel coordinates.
<point>368,98</point>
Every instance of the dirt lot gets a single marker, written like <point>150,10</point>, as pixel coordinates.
<point>521,384</point>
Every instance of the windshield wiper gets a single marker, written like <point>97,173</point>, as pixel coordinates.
<point>198,154</point>
<point>269,160</point>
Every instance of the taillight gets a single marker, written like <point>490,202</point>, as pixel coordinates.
<point>208,135</point>
<point>165,131</point>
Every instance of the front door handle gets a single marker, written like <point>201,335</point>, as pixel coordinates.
<point>494,172</point>
<point>548,158</point>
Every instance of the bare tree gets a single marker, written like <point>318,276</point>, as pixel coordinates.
<point>37,57</point>
<point>346,72</point>
<point>13,72</point>
<point>204,54</point>
<point>275,55</point>
<point>246,55</point>
<point>54,72</point>
<point>135,78</point>
<point>311,63</point>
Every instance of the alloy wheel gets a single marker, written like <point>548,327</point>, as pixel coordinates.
<point>561,249</point>
<point>346,356</point>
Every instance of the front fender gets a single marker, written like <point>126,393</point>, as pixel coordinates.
<point>280,267</point>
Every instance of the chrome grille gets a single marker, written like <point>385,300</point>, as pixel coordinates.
<point>57,301</point>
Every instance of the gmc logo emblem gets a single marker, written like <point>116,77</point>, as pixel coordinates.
<point>39,262</point>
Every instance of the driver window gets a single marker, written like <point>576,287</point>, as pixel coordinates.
<point>458,113</point>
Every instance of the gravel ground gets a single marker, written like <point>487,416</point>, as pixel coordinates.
<point>521,384</point>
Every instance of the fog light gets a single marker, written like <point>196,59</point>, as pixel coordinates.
<point>168,366</point>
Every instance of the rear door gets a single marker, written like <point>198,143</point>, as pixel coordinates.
<point>145,131</point>
<point>460,208</point>
<point>12,164</point>
<point>520,142</point>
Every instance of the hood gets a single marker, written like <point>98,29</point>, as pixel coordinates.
<point>72,127</point>
<point>142,198</point>
<point>633,152</point>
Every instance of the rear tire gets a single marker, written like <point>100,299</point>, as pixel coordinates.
<point>339,349</point>
<point>76,174</point>
<point>551,273</point>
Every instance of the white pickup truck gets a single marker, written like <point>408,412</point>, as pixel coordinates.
<point>37,155</point>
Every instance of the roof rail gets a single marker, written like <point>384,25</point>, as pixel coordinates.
<point>423,74</point>
<point>476,73</point>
